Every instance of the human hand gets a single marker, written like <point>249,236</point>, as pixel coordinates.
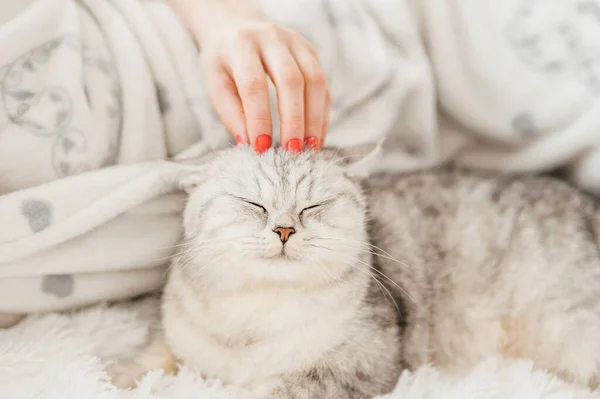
<point>237,54</point>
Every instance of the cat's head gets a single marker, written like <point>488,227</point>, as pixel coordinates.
<point>278,216</point>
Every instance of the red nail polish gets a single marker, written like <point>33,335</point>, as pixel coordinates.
<point>239,141</point>
<point>294,145</point>
<point>312,142</point>
<point>263,143</point>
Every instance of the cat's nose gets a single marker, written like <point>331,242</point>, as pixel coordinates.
<point>284,233</point>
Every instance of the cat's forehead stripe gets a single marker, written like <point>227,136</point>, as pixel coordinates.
<point>264,174</point>
<point>280,180</point>
<point>311,184</point>
<point>300,181</point>
<point>259,187</point>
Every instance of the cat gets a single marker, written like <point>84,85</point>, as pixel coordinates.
<point>300,278</point>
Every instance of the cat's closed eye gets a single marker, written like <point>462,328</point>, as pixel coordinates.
<point>254,204</point>
<point>303,211</point>
<point>257,206</point>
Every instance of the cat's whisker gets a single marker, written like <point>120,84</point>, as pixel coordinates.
<point>189,242</point>
<point>334,279</point>
<point>203,267</point>
<point>320,246</point>
<point>216,243</point>
<point>321,270</point>
<point>213,241</point>
<point>388,256</point>
<point>374,269</point>
<point>382,274</point>
<point>374,278</point>
<point>181,244</point>
<point>381,256</point>
<point>365,243</point>
<point>170,257</point>
<point>190,253</point>
<point>186,254</point>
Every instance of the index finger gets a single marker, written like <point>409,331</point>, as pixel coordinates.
<point>289,84</point>
<point>251,82</point>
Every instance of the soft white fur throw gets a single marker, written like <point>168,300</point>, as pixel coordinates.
<point>64,356</point>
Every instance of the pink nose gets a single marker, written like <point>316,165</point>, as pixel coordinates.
<point>284,233</point>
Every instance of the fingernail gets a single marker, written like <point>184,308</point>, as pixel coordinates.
<point>312,142</point>
<point>239,141</point>
<point>294,145</point>
<point>263,143</point>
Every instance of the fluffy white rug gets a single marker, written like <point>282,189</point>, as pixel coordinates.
<point>64,356</point>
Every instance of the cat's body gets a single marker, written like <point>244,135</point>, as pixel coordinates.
<point>496,266</point>
<point>477,266</point>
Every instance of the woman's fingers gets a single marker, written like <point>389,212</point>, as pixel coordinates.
<point>315,96</point>
<point>249,75</point>
<point>236,72</point>
<point>289,83</point>
<point>224,96</point>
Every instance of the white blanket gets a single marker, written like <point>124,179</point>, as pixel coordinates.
<point>64,356</point>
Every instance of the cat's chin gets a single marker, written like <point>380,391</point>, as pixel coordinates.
<point>276,253</point>
<point>302,272</point>
<point>282,256</point>
<point>279,262</point>
<point>281,269</point>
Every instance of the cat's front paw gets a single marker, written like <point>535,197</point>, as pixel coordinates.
<point>125,374</point>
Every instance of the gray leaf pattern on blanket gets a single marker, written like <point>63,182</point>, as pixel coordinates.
<point>549,37</point>
<point>58,285</point>
<point>48,110</point>
<point>69,153</point>
<point>38,214</point>
<point>41,110</point>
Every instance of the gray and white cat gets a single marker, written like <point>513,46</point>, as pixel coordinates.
<point>299,280</point>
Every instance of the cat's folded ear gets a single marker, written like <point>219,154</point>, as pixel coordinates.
<point>189,173</point>
<point>357,160</point>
